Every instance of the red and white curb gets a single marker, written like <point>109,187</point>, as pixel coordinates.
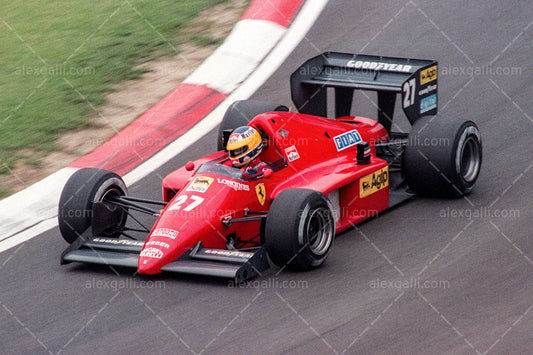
<point>262,26</point>
<point>233,72</point>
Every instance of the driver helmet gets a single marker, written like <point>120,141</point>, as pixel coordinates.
<point>244,145</point>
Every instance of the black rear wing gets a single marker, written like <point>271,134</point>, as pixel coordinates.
<point>415,79</point>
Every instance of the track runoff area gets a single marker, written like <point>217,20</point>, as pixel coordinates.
<point>259,43</point>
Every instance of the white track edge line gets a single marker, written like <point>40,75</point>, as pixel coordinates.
<point>295,33</point>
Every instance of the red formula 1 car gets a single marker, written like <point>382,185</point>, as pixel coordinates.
<point>323,175</point>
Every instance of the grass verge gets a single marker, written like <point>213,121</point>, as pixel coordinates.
<point>59,59</point>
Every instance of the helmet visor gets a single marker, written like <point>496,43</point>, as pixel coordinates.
<point>238,152</point>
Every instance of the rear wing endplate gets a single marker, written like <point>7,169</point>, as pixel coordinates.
<point>415,79</point>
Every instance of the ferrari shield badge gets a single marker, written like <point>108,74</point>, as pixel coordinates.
<point>261,193</point>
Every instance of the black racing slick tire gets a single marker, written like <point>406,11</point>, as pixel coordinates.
<point>443,156</point>
<point>300,228</point>
<point>84,188</point>
<point>241,112</point>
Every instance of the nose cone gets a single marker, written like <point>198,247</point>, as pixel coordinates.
<point>150,261</point>
<point>192,216</point>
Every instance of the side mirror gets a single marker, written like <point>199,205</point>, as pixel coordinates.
<point>267,173</point>
<point>189,166</point>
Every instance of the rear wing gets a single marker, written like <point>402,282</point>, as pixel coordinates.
<point>415,79</point>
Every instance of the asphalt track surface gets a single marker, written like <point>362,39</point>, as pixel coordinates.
<point>474,255</point>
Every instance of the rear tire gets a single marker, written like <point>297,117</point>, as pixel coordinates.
<point>300,228</point>
<point>443,156</point>
<point>82,190</point>
<point>241,112</point>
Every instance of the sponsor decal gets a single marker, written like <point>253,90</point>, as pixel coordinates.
<point>347,140</point>
<point>248,133</point>
<point>374,182</point>
<point>428,75</point>
<point>260,190</point>
<point>292,153</point>
<point>359,64</point>
<point>223,252</point>
<point>165,232</point>
<point>159,244</point>
<point>234,138</point>
<point>237,136</point>
<point>152,252</point>
<point>284,133</point>
<point>428,103</point>
<point>427,90</point>
<point>118,241</point>
<point>237,186</point>
<point>200,184</point>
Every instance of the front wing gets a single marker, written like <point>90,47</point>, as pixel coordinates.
<point>232,264</point>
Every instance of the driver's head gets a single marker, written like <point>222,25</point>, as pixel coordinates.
<point>244,145</point>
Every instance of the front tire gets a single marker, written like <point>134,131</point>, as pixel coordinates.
<point>299,230</point>
<point>443,156</point>
<point>84,188</point>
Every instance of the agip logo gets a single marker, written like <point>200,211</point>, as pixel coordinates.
<point>428,75</point>
<point>374,182</point>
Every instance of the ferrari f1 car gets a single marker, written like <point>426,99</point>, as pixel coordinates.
<point>324,175</point>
